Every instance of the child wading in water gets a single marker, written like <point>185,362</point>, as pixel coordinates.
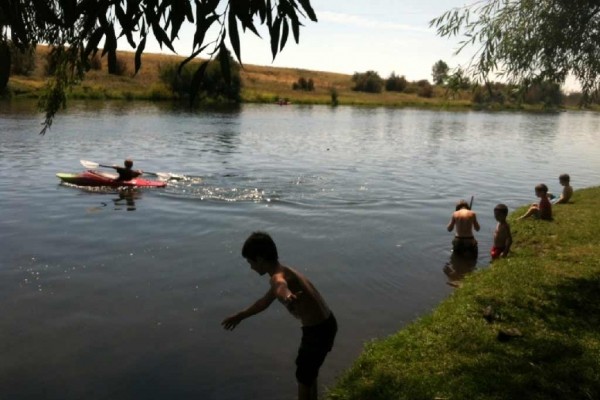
<point>302,300</point>
<point>543,210</point>
<point>464,243</point>
<point>502,235</point>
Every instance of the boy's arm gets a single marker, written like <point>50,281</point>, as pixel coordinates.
<point>451,224</point>
<point>508,241</point>
<point>564,196</point>
<point>280,289</point>
<point>260,305</point>
<point>476,223</point>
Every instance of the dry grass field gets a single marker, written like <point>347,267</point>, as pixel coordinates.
<point>260,84</point>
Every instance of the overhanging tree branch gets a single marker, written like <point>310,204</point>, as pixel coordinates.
<point>78,26</point>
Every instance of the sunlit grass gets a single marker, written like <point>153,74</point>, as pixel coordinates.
<point>548,289</point>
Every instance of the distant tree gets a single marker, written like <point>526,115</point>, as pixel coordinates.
<point>395,83</point>
<point>439,72</point>
<point>304,84</point>
<point>457,81</point>
<point>547,93</point>
<point>425,88</point>
<point>79,26</point>
<point>214,86</point>
<point>489,93</point>
<point>532,41</point>
<point>369,81</point>
<point>334,96</point>
<point>22,60</point>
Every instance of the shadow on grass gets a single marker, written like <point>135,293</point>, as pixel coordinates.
<point>558,356</point>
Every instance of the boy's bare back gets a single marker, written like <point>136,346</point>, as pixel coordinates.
<point>464,221</point>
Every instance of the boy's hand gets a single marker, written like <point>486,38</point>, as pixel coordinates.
<point>291,299</point>
<point>230,323</point>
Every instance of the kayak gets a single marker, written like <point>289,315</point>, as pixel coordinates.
<point>97,178</point>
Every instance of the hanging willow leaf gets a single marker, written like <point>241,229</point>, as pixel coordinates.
<point>92,43</point>
<point>284,34</point>
<point>138,55</point>
<point>274,32</point>
<point>234,37</point>
<point>224,63</point>
<point>197,81</point>
<point>81,25</point>
<point>309,10</point>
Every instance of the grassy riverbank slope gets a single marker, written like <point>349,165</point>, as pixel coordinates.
<point>260,84</point>
<point>546,293</point>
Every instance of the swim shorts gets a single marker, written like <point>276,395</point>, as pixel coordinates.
<point>495,252</point>
<point>465,246</point>
<point>317,341</point>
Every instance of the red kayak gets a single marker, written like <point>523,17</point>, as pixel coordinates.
<point>96,178</point>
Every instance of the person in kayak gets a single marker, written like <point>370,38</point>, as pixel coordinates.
<point>127,173</point>
<point>301,299</point>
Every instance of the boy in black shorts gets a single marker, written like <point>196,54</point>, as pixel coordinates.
<point>302,300</point>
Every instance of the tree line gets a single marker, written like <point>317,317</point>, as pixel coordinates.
<point>456,82</point>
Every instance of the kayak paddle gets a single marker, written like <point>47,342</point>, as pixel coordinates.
<point>162,175</point>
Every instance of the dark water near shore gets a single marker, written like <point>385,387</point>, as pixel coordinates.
<point>105,295</point>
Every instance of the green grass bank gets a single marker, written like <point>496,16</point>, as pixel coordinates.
<point>546,293</point>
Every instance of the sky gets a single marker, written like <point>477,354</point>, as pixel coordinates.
<point>356,36</point>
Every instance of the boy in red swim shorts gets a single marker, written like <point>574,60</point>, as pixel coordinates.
<point>502,234</point>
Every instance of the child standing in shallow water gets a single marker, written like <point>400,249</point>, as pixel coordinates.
<point>464,220</point>
<point>502,235</point>
<point>302,300</point>
<point>543,210</point>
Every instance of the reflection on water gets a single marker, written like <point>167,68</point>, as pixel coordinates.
<point>127,197</point>
<point>458,267</point>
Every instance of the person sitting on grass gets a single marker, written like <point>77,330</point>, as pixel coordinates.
<point>567,192</point>
<point>502,235</point>
<point>543,210</point>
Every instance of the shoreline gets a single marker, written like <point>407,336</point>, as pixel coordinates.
<point>260,84</point>
<point>526,327</point>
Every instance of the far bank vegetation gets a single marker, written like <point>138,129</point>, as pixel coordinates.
<point>161,79</point>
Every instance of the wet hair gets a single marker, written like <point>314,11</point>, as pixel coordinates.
<point>541,188</point>
<point>564,177</point>
<point>462,204</point>
<point>128,163</point>
<point>501,209</point>
<point>260,244</point>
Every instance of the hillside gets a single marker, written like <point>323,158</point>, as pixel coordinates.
<point>260,84</point>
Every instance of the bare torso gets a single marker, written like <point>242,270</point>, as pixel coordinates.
<point>463,221</point>
<point>309,307</point>
<point>501,234</point>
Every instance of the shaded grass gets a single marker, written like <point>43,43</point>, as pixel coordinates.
<point>548,289</point>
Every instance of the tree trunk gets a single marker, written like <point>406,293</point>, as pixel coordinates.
<point>4,65</point>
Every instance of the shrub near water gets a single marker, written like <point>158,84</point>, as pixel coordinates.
<point>547,289</point>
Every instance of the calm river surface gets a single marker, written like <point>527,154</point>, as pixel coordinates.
<point>106,296</point>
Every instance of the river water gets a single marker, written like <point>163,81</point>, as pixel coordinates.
<point>113,295</point>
